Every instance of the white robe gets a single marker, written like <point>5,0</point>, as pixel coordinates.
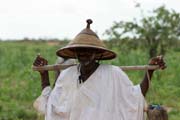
<point>107,94</point>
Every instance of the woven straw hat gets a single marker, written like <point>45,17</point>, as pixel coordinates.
<point>86,39</point>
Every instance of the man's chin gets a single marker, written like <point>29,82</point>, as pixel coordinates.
<point>85,63</point>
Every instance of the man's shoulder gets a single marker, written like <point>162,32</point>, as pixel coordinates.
<point>67,73</point>
<point>111,67</point>
<point>70,69</point>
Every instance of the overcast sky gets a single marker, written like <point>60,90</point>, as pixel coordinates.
<point>65,18</point>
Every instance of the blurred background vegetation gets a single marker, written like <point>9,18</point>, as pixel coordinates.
<point>133,41</point>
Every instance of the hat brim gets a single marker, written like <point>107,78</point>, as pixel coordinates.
<point>101,54</point>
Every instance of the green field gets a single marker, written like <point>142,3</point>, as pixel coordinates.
<point>20,86</point>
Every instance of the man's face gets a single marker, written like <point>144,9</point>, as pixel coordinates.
<point>85,56</point>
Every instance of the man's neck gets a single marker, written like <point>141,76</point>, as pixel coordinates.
<point>84,69</point>
<point>87,70</point>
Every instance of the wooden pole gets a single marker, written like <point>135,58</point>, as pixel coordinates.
<point>62,67</point>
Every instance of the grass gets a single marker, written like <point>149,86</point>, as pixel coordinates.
<point>20,86</point>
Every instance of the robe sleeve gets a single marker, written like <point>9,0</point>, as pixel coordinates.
<point>129,96</point>
<point>54,103</point>
<point>40,103</point>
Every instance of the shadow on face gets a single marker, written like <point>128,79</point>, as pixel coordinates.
<point>84,54</point>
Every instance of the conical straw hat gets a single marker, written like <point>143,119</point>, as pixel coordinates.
<point>86,39</point>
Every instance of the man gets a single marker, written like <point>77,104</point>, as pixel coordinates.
<point>90,91</point>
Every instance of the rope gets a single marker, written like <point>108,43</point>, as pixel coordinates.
<point>149,82</point>
<point>155,112</point>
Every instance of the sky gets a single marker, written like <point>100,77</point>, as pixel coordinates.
<point>66,18</point>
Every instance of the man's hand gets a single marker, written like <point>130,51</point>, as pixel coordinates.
<point>145,82</point>
<point>40,61</point>
<point>158,61</point>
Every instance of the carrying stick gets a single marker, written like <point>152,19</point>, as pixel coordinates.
<point>62,67</point>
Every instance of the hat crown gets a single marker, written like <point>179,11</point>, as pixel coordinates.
<point>88,30</point>
<point>86,39</point>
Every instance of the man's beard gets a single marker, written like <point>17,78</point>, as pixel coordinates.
<point>89,61</point>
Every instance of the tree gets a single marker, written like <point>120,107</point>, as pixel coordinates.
<point>157,32</point>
